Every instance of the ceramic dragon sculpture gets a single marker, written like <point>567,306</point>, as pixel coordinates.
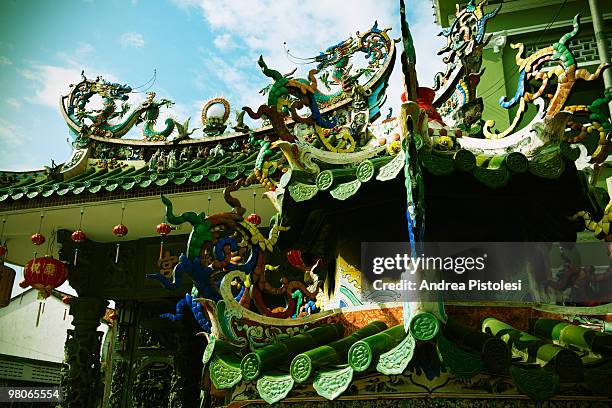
<point>197,309</point>
<point>455,89</point>
<point>288,95</point>
<point>227,242</point>
<point>111,120</point>
<point>328,130</point>
<point>530,68</point>
<point>374,44</point>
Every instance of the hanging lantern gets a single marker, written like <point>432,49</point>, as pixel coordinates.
<point>163,230</point>
<point>44,274</point>
<point>119,230</point>
<point>7,277</point>
<point>254,219</point>
<point>77,237</point>
<point>38,239</point>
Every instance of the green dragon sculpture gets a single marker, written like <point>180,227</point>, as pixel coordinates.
<point>85,121</point>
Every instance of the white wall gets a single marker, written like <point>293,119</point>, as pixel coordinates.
<point>19,335</point>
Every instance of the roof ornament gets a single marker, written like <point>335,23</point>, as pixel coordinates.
<point>532,68</point>
<point>114,117</point>
<point>215,114</point>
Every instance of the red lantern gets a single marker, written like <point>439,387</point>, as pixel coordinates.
<point>254,219</point>
<point>162,229</point>
<point>120,230</point>
<point>38,239</point>
<point>44,274</point>
<point>77,236</point>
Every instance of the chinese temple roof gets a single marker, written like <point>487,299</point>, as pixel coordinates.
<point>335,354</point>
<point>100,176</point>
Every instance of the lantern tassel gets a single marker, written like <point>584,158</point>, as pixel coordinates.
<point>65,312</point>
<point>38,315</point>
<point>76,255</point>
<point>117,253</point>
<point>161,248</point>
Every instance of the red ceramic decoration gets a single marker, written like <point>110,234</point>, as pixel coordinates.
<point>163,229</point>
<point>425,100</point>
<point>66,299</point>
<point>78,236</point>
<point>120,230</point>
<point>44,274</point>
<point>38,239</point>
<point>294,256</point>
<point>254,219</point>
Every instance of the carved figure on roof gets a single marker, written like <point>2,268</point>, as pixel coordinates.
<point>456,87</point>
<point>202,152</point>
<point>150,118</point>
<point>153,160</point>
<point>289,96</point>
<point>531,68</point>
<point>240,126</point>
<point>162,162</point>
<point>217,151</point>
<point>183,131</point>
<point>221,243</point>
<point>185,154</point>
<point>54,171</point>
<point>85,120</point>
<point>215,114</point>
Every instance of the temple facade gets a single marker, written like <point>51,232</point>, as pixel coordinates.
<point>234,253</point>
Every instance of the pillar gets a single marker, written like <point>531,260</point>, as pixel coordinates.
<point>81,382</point>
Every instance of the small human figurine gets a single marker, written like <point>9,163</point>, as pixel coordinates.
<point>184,156</point>
<point>161,162</point>
<point>172,162</point>
<point>153,160</point>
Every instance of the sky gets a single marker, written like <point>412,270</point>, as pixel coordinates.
<point>199,49</point>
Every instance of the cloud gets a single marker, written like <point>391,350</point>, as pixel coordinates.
<point>13,102</point>
<point>77,57</point>
<point>261,27</point>
<point>268,27</point>
<point>50,82</point>
<point>10,133</point>
<point>264,25</point>
<point>5,61</point>
<point>132,40</point>
<point>224,42</point>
